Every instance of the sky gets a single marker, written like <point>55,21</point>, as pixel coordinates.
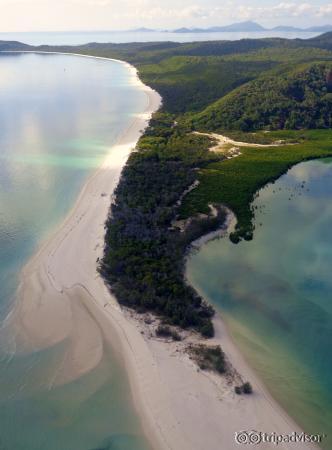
<point>66,15</point>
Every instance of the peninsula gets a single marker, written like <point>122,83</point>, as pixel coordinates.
<point>234,117</point>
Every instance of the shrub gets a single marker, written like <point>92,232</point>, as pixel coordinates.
<point>247,388</point>
<point>207,329</point>
<point>208,358</point>
<point>167,332</point>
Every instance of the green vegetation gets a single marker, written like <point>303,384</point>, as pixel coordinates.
<point>165,331</point>
<point>191,76</point>
<point>214,77</point>
<point>144,255</point>
<point>264,138</point>
<point>245,388</point>
<point>292,100</point>
<point>208,358</point>
<point>230,87</point>
<point>235,182</point>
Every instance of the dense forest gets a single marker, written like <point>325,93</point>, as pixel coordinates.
<point>234,88</point>
<point>291,100</point>
<point>144,257</point>
<point>144,254</point>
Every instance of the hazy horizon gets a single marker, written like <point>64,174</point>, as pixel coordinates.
<point>168,29</point>
<point>124,15</point>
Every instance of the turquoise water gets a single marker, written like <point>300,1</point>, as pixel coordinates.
<point>276,292</point>
<point>59,115</point>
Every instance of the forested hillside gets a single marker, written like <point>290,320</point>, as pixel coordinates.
<point>231,87</point>
<point>300,98</point>
<point>191,76</point>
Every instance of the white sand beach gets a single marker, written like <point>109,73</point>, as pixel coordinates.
<point>62,298</point>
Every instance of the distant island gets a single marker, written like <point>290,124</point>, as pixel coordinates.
<point>241,27</point>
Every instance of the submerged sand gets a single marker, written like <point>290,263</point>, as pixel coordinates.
<point>62,298</point>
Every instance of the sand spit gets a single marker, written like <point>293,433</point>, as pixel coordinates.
<point>61,298</point>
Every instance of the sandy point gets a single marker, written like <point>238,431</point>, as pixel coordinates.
<point>62,299</point>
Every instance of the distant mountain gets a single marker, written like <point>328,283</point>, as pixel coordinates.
<point>184,30</point>
<point>316,28</point>
<point>143,30</point>
<point>240,27</point>
<point>322,29</point>
<point>326,37</point>
<point>287,29</point>
<point>235,27</point>
<point>13,46</point>
<point>249,26</point>
<point>322,41</point>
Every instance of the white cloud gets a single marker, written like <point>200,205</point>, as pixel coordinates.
<point>282,10</point>
<point>325,10</point>
<point>115,14</point>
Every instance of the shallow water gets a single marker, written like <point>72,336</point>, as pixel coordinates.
<point>59,116</point>
<point>275,292</point>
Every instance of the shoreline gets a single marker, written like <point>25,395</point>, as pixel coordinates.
<point>41,52</point>
<point>59,300</point>
<point>180,407</point>
<point>244,371</point>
